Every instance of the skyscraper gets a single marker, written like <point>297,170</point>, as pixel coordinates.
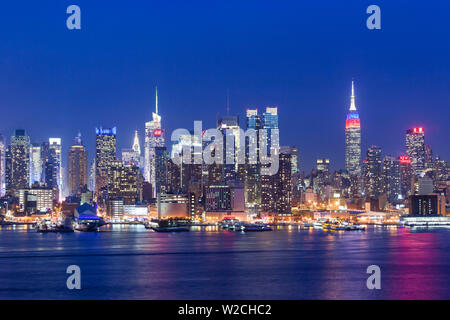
<point>55,144</point>
<point>269,183</point>
<point>353,138</point>
<point>105,154</point>
<point>125,182</point>
<point>20,161</point>
<point>229,126</point>
<point>133,155</point>
<point>391,179</point>
<point>406,174</point>
<point>77,165</point>
<point>415,149</point>
<point>50,168</point>
<point>160,160</point>
<point>276,190</point>
<point>270,123</point>
<point>373,172</point>
<point>2,165</point>
<point>253,170</point>
<point>154,137</point>
<point>36,163</point>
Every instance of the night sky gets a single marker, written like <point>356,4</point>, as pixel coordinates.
<point>299,55</point>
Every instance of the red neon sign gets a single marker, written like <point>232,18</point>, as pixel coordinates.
<point>352,124</point>
<point>157,132</point>
<point>404,159</point>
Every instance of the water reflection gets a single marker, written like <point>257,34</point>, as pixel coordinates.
<point>131,262</point>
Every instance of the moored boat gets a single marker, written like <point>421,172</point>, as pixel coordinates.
<point>255,227</point>
<point>168,226</point>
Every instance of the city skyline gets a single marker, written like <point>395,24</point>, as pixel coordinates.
<point>123,146</point>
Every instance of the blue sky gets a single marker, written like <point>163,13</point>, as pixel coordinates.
<point>299,55</point>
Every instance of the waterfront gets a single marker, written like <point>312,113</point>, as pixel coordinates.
<point>130,262</point>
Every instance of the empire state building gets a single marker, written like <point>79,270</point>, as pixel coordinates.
<point>353,139</point>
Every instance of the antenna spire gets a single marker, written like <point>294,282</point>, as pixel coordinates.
<point>352,98</point>
<point>228,102</point>
<point>156,102</point>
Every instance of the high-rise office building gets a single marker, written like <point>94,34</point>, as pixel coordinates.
<point>231,131</point>
<point>270,124</point>
<point>391,179</point>
<point>20,161</point>
<point>323,165</point>
<point>77,165</point>
<point>105,154</point>
<point>372,179</point>
<point>36,163</point>
<point>125,182</point>
<point>415,149</point>
<point>428,157</point>
<point>252,170</point>
<point>2,165</point>
<point>268,182</point>
<point>406,175</point>
<point>160,164</point>
<point>276,190</point>
<point>55,144</point>
<point>50,168</point>
<point>133,155</point>
<point>154,137</point>
<point>8,171</point>
<point>353,138</point>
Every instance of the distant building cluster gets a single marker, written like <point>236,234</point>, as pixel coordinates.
<point>136,182</point>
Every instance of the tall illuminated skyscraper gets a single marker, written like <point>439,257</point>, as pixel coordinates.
<point>55,144</point>
<point>77,165</point>
<point>415,149</point>
<point>391,179</point>
<point>36,163</point>
<point>252,170</point>
<point>154,137</point>
<point>229,126</point>
<point>133,155</point>
<point>2,165</point>
<point>20,161</point>
<point>105,154</point>
<point>373,172</point>
<point>353,138</point>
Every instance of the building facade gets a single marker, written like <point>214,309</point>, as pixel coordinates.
<point>105,154</point>
<point>20,161</point>
<point>77,167</point>
<point>353,139</point>
<point>415,149</point>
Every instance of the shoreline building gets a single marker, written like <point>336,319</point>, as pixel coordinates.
<point>353,138</point>
<point>154,137</point>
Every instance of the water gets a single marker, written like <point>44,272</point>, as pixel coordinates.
<point>130,262</point>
